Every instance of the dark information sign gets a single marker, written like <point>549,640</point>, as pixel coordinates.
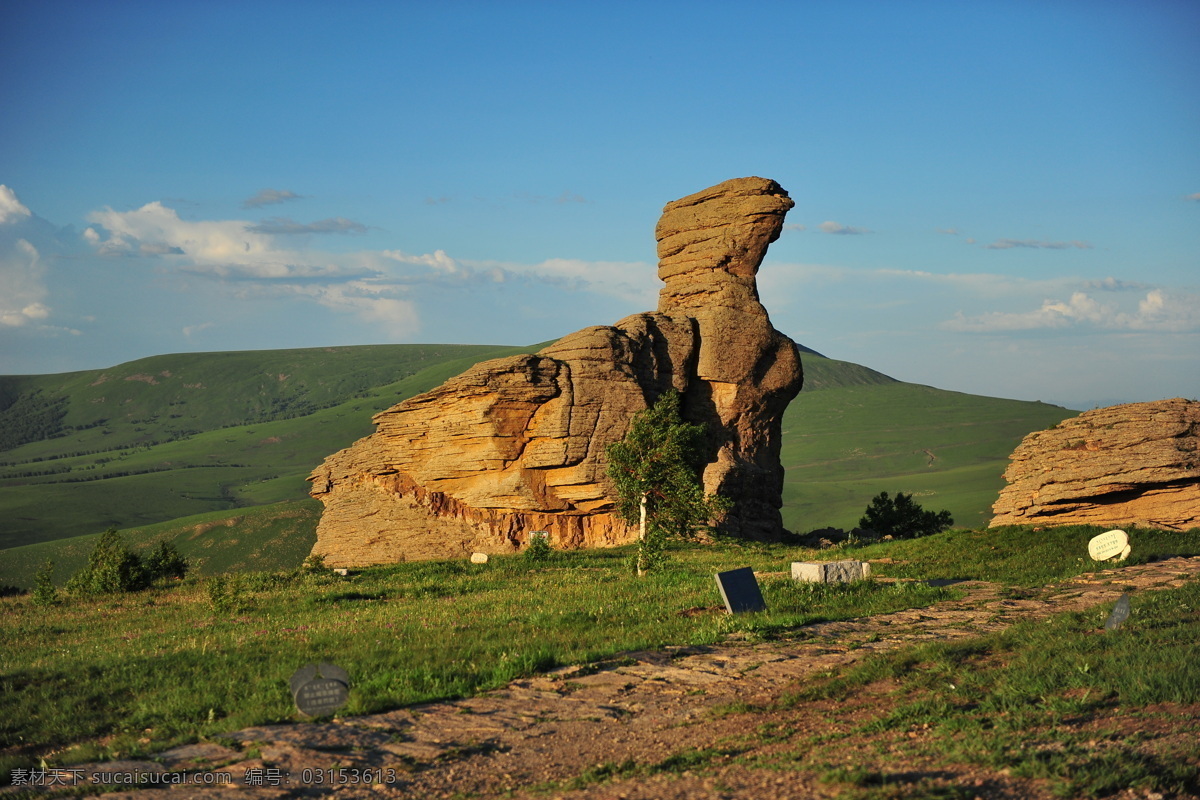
<point>739,590</point>
<point>320,689</point>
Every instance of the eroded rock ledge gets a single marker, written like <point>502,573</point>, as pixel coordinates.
<point>518,444</point>
<point>1134,464</point>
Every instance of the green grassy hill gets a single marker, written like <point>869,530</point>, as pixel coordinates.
<point>172,436</point>
<point>846,442</point>
<point>189,439</point>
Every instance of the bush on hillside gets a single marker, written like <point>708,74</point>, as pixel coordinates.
<point>166,562</point>
<point>44,592</point>
<point>903,517</point>
<point>112,567</point>
<point>539,548</point>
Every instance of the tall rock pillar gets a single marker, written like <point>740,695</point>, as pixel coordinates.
<point>518,444</point>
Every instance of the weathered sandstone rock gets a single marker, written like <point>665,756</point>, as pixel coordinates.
<point>1135,464</point>
<point>518,444</point>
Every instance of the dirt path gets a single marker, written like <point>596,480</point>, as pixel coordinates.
<point>577,733</point>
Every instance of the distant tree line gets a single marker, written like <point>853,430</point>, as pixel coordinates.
<point>117,474</point>
<point>32,417</point>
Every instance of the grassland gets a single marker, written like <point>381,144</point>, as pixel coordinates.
<point>275,537</point>
<point>90,677</point>
<point>845,443</point>
<point>1046,699</point>
<point>126,675</point>
<point>175,436</point>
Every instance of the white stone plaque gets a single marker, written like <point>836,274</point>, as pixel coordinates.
<point>830,571</point>
<point>479,558</point>
<point>1111,544</point>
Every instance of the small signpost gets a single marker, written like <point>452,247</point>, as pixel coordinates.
<point>1120,613</point>
<point>1111,544</point>
<point>320,689</point>
<point>739,590</point>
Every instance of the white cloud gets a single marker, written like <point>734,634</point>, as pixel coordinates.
<point>376,286</point>
<point>270,197</point>
<point>1008,244</point>
<point>369,301</point>
<point>155,229</point>
<point>635,282</point>
<point>438,260</point>
<point>948,231</point>
<point>1158,311</point>
<point>22,290</point>
<point>250,263</point>
<point>795,227</point>
<point>10,207</point>
<point>191,330</point>
<point>1195,197</point>
<point>829,226</point>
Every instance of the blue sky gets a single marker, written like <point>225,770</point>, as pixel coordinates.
<point>1000,198</point>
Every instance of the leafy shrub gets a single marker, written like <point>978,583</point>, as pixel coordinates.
<point>44,591</point>
<point>165,562</point>
<point>315,563</point>
<point>226,594</point>
<point>539,547</point>
<point>111,568</point>
<point>903,517</point>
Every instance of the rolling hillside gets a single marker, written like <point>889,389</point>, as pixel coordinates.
<point>171,436</point>
<point>208,434</point>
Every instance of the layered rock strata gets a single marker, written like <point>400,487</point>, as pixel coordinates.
<point>1135,464</point>
<point>518,444</point>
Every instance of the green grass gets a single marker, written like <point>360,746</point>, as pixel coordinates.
<point>165,660</point>
<point>88,678</point>
<point>1016,555</point>
<point>213,431</point>
<point>275,537</point>
<point>845,443</point>
<point>1013,701</point>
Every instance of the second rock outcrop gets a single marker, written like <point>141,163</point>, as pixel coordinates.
<point>1133,464</point>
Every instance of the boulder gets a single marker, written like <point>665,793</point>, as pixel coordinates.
<point>1134,464</point>
<point>518,444</point>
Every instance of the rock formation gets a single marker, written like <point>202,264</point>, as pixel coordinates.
<point>1135,464</point>
<point>518,444</point>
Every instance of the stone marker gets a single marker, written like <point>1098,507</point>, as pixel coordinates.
<point>830,571</point>
<point>1111,544</point>
<point>479,558</point>
<point>543,535</point>
<point>739,590</point>
<point>320,689</point>
<point>1120,613</point>
<point>341,571</point>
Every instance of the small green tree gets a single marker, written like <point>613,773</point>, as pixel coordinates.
<point>165,561</point>
<point>903,517</point>
<point>44,591</point>
<point>656,472</point>
<point>539,548</point>
<point>111,568</point>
